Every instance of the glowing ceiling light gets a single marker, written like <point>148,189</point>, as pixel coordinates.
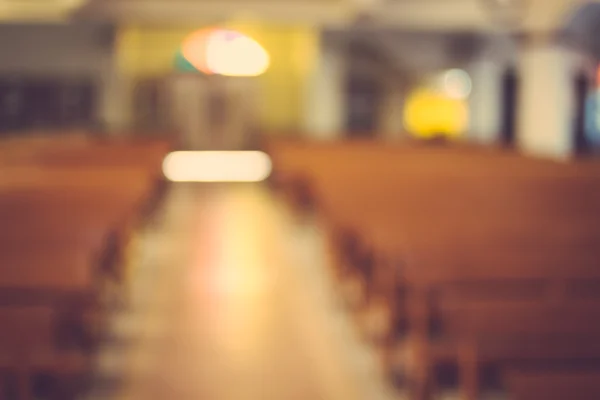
<point>225,52</point>
<point>456,84</point>
<point>194,50</point>
<point>217,166</point>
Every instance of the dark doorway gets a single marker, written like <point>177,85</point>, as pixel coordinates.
<point>77,104</point>
<point>12,105</point>
<point>363,101</point>
<point>30,103</point>
<point>510,89</point>
<point>42,104</point>
<point>581,85</point>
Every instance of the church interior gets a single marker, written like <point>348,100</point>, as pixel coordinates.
<point>299,200</point>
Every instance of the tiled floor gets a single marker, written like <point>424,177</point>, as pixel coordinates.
<point>231,300</point>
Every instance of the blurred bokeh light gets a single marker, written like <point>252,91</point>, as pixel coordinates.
<point>225,52</point>
<point>429,113</point>
<point>217,166</point>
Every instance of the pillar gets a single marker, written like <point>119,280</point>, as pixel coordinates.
<point>485,101</point>
<point>392,110</point>
<point>546,103</point>
<point>115,109</point>
<point>187,96</point>
<point>486,105</point>
<point>325,94</point>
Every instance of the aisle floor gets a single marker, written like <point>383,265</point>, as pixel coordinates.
<point>231,300</point>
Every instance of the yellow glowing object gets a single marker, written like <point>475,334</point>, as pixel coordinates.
<point>428,114</point>
<point>225,52</point>
<point>217,166</point>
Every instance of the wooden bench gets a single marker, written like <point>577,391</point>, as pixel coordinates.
<point>511,334</point>
<point>69,206</point>
<point>29,347</point>
<point>554,384</point>
<point>422,226</point>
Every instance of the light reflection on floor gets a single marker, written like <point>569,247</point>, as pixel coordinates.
<point>238,307</point>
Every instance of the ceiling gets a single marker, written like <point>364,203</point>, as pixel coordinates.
<point>410,52</point>
<point>437,15</point>
<point>38,10</point>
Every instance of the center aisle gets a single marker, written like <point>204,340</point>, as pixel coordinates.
<point>231,301</point>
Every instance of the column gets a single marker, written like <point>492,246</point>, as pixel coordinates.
<point>116,99</point>
<point>485,101</point>
<point>546,103</point>
<point>392,110</point>
<point>325,92</point>
<point>188,96</point>
<point>486,108</point>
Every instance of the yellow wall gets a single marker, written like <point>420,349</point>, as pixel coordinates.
<point>149,51</point>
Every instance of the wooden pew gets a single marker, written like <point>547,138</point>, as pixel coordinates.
<point>554,384</point>
<point>66,205</point>
<point>386,201</point>
<point>28,347</point>
<point>84,150</point>
<point>512,334</point>
<point>49,214</point>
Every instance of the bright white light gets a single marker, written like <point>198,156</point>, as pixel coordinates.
<point>235,55</point>
<point>217,166</point>
<point>457,84</point>
<point>225,52</point>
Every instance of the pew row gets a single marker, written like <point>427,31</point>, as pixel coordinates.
<point>422,227</point>
<point>69,207</point>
